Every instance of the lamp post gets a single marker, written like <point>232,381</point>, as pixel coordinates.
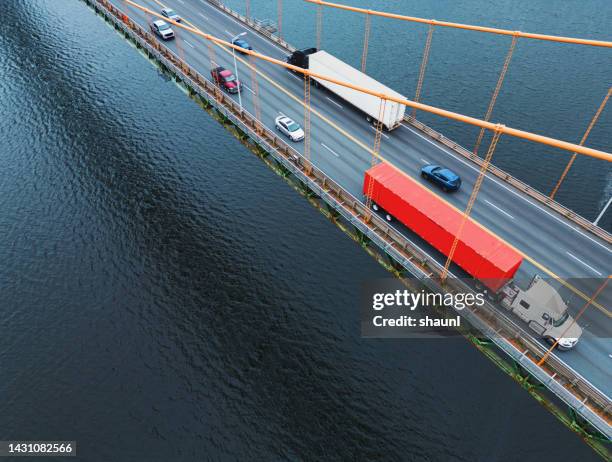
<point>236,68</point>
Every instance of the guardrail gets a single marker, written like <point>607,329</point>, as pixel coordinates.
<point>470,156</point>
<point>563,381</point>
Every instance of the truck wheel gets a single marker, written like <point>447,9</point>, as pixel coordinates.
<point>375,206</point>
<point>551,341</point>
<point>388,217</point>
<point>424,175</point>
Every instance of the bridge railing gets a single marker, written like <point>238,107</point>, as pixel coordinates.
<point>566,383</point>
<point>478,161</point>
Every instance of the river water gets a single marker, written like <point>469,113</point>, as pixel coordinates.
<point>165,296</point>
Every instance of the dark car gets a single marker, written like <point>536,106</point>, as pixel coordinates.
<point>242,44</point>
<point>226,79</point>
<point>443,177</point>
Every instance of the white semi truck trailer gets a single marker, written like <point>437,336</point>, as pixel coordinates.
<point>323,63</point>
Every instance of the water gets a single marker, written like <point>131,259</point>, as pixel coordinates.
<point>165,296</point>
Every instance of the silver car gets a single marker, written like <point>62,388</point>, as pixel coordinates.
<point>289,128</point>
<point>171,14</point>
<point>162,29</point>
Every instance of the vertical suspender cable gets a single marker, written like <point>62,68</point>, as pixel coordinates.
<point>307,123</point>
<point>375,155</point>
<point>255,84</point>
<point>319,25</point>
<point>417,96</point>
<point>472,200</point>
<point>366,40</point>
<point>279,11</point>
<point>248,9</point>
<point>500,81</point>
<point>582,141</point>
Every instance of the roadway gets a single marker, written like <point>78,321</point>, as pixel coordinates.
<point>552,245</point>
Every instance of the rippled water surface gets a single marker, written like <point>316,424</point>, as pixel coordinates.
<point>165,296</point>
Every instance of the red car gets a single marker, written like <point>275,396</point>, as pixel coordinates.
<point>226,79</point>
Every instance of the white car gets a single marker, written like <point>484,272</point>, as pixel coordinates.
<point>289,128</point>
<point>170,14</point>
<point>162,29</point>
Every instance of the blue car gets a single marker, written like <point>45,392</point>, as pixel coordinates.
<point>443,177</point>
<point>242,44</point>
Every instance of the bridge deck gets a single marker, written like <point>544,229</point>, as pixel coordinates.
<point>552,243</point>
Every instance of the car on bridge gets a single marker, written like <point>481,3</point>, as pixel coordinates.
<point>242,44</point>
<point>226,79</point>
<point>443,177</point>
<point>162,29</point>
<point>171,14</point>
<point>289,128</point>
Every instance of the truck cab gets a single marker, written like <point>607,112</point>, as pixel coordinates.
<point>299,58</point>
<point>544,311</point>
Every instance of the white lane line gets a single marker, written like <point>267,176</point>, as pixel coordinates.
<point>516,193</point>
<point>205,17</point>
<point>187,43</point>
<point>332,101</point>
<point>579,260</point>
<point>501,210</point>
<point>214,64</point>
<point>294,76</point>
<point>229,33</point>
<point>330,150</point>
<point>245,86</point>
<point>374,128</point>
<point>425,160</point>
<point>181,1</point>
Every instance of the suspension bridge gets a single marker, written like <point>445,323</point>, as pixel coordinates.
<point>340,145</point>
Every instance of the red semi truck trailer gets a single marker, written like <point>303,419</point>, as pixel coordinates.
<point>478,252</point>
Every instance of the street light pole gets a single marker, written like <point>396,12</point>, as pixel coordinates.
<point>236,68</point>
<point>602,212</point>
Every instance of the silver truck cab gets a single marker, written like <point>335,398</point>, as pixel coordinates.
<point>544,311</point>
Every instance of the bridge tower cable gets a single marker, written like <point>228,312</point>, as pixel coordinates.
<point>481,175</point>
<point>307,115</point>
<point>582,141</point>
<point>375,155</point>
<point>588,303</point>
<point>319,25</point>
<point>500,81</point>
<point>366,40</point>
<point>417,95</point>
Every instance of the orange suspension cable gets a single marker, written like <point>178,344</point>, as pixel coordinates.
<point>472,200</point>
<point>572,147</point>
<point>582,141</point>
<point>366,40</point>
<point>500,81</point>
<point>490,30</point>
<point>417,96</point>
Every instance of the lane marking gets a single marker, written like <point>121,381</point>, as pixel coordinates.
<point>333,102</point>
<point>247,87</point>
<point>181,1</point>
<point>585,264</point>
<point>425,160</point>
<point>294,76</point>
<point>516,193</point>
<point>330,150</point>
<point>374,128</point>
<point>229,33</point>
<point>187,43</point>
<point>501,210</point>
<point>203,16</point>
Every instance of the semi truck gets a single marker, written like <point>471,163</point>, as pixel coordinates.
<point>323,63</point>
<point>486,258</point>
